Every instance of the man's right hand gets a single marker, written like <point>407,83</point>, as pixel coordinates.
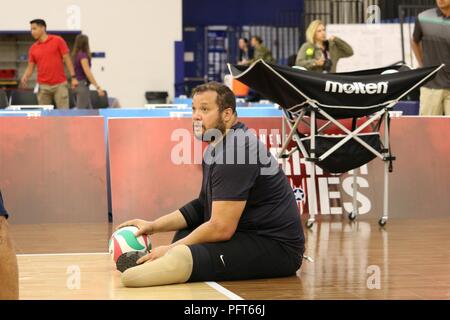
<point>145,227</point>
<point>23,82</point>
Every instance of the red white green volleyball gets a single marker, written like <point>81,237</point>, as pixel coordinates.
<point>124,240</point>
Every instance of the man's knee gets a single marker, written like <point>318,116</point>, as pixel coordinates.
<point>45,98</point>
<point>62,97</point>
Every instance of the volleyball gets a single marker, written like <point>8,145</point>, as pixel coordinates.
<point>124,240</point>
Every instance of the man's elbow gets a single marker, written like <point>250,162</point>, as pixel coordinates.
<point>223,232</point>
<point>227,234</point>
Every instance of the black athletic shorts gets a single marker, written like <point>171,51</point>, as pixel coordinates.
<point>244,256</point>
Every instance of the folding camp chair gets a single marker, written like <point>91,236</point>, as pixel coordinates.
<point>306,97</point>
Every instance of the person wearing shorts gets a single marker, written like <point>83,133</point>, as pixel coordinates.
<point>245,224</point>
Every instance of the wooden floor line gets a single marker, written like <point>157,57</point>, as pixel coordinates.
<point>224,291</point>
<point>62,254</point>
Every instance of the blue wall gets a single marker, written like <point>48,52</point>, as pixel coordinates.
<point>236,12</point>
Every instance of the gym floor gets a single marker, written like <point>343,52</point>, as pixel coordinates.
<point>408,259</point>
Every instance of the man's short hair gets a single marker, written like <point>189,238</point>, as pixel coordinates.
<point>225,97</point>
<point>39,22</point>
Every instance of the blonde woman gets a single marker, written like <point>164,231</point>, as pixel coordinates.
<point>319,53</point>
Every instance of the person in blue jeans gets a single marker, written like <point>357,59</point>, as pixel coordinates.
<point>9,273</point>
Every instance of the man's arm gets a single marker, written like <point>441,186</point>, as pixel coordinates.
<point>416,42</point>
<point>229,197</point>
<point>170,222</point>
<point>68,61</point>
<point>221,227</point>
<point>228,203</point>
<point>26,76</point>
<point>418,52</point>
<point>190,215</point>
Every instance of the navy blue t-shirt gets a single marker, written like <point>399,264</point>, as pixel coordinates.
<point>2,208</point>
<point>241,168</point>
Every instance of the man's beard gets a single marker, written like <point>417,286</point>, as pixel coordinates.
<point>212,134</point>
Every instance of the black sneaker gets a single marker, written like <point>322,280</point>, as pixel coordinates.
<point>128,260</point>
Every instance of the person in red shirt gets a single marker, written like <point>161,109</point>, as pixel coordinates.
<point>48,53</point>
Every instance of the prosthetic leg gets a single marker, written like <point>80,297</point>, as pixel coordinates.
<point>174,267</point>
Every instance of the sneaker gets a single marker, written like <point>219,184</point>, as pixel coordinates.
<point>128,260</point>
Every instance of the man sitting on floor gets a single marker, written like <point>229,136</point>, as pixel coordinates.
<point>245,224</point>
